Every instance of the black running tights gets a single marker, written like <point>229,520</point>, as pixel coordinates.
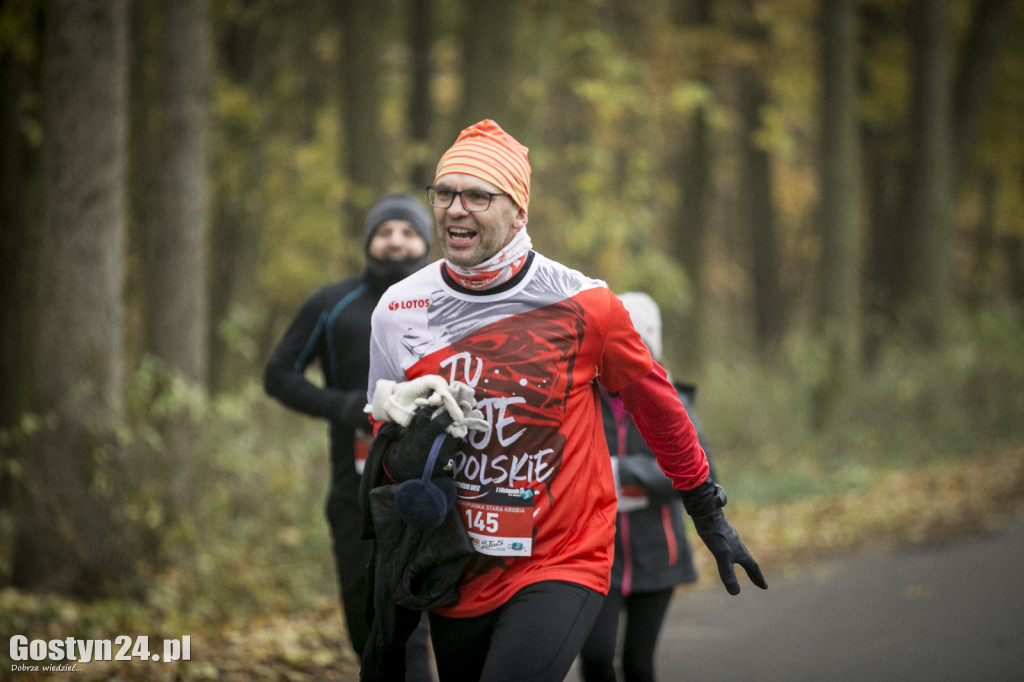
<point>534,637</point>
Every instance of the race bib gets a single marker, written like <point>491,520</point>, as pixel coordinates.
<point>632,497</point>
<point>499,521</point>
<point>361,448</point>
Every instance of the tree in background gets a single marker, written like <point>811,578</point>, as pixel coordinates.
<point>68,536</point>
<point>363,159</point>
<point>19,216</point>
<point>972,91</point>
<point>277,182</point>
<point>840,267</point>
<point>487,62</point>
<point>926,284</point>
<point>172,223</point>
<point>769,306</point>
<point>420,31</point>
<point>238,202</point>
<point>973,85</point>
<point>692,163</point>
<point>176,257</point>
<point>918,148</point>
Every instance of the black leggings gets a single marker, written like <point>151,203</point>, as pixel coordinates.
<point>645,613</point>
<point>534,637</point>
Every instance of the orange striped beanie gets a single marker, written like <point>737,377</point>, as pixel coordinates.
<point>485,151</point>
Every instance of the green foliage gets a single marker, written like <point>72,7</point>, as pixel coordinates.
<point>249,537</point>
<point>232,533</point>
<point>911,409</point>
<point>302,238</point>
<point>238,330</point>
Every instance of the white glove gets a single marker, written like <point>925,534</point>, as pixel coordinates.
<point>473,418</point>
<point>398,402</point>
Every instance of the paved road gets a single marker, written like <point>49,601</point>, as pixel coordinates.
<point>950,613</point>
<point>953,613</point>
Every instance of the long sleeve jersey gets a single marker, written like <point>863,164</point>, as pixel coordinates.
<point>331,329</point>
<point>536,491</point>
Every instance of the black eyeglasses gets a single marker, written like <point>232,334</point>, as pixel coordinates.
<point>440,196</point>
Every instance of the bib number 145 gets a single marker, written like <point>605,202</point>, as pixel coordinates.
<point>484,522</point>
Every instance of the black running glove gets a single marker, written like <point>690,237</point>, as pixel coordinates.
<point>704,505</point>
<point>350,412</point>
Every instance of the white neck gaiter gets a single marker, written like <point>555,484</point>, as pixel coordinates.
<point>496,270</point>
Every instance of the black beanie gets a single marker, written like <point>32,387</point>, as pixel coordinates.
<point>399,207</point>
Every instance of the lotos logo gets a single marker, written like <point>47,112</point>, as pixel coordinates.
<point>406,305</point>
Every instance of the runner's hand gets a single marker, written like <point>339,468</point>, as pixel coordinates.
<point>399,401</point>
<point>704,505</point>
<point>725,544</point>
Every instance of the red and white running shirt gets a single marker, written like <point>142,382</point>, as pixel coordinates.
<point>535,491</point>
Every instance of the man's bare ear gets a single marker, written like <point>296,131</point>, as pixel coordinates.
<point>520,220</point>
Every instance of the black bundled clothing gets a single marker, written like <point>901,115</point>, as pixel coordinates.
<point>411,570</point>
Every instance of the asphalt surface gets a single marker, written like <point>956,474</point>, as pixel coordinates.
<point>951,613</point>
<point>947,613</point>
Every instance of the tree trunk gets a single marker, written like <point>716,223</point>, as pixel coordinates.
<point>690,228</point>
<point>363,162</point>
<point>974,76</point>
<point>982,281</point>
<point>19,230</point>
<point>928,289</point>
<point>839,319</point>
<point>758,208</point>
<point>769,310</point>
<point>487,61</point>
<point>177,243</point>
<point>238,206</point>
<point>688,239</point>
<point>883,183</point>
<point>143,163</point>
<point>68,537</point>
<point>421,110</point>
<point>176,240</point>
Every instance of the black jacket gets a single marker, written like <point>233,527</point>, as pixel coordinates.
<point>331,329</point>
<point>651,550</point>
<point>411,571</point>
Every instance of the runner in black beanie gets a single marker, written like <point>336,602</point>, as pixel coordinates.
<point>332,328</point>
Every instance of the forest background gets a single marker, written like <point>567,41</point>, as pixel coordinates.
<point>825,198</point>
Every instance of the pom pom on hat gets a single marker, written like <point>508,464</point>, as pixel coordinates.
<point>485,151</point>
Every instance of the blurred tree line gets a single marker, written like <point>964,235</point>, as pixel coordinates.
<point>796,182</point>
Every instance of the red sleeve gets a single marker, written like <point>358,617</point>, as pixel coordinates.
<point>666,427</point>
<point>625,358</point>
